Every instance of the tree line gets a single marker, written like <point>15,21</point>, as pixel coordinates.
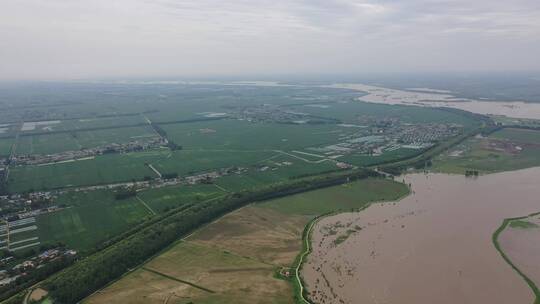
<point>95,271</point>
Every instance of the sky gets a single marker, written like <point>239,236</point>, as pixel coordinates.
<point>76,39</point>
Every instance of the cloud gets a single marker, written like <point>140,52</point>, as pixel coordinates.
<point>122,38</point>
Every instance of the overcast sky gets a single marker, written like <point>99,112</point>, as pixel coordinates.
<point>67,39</point>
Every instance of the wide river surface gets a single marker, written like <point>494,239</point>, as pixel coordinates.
<point>434,246</point>
<point>375,94</point>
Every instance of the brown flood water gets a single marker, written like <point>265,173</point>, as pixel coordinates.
<point>522,246</point>
<point>433,246</point>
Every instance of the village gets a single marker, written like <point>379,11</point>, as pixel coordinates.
<point>67,156</point>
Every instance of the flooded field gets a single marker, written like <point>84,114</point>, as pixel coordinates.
<point>434,246</point>
<point>520,241</point>
<point>516,109</point>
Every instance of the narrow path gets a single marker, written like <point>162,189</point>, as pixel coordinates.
<point>221,188</point>
<point>307,250</point>
<point>146,205</point>
<point>306,160</point>
<point>155,170</point>
<point>178,280</point>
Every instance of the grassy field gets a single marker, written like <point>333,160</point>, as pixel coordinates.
<point>102,169</point>
<point>99,122</point>
<point>235,259</point>
<point>47,144</point>
<point>366,160</point>
<point>60,142</point>
<point>89,217</point>
<point>190,161</point>
<point>276,169</point>
<point>244,135</point>
<point>162,199</point>
<point>5,146</point>
<point>126,167</point>
<point>507,149</point>
<point>344,197</point>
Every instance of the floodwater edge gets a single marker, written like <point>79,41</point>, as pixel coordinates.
<point>495,240</point>
<point>300,291</point>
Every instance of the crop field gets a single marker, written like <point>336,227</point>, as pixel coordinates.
<point>60,142</point>
<point>508,149</point>
<point>163,199</point>
<point>190,161</point>
<point>5,146</point>
<point>234,259</point>
<point>244,135</point>
<point>273,170</point>
<point>47,144</point>
<point>198,99</point>
<point>102,169</point>
<point>99,122</point>
<point>344,197</point>
<point>88,218</point>
<point>126,167</point>
<point>367,160</point>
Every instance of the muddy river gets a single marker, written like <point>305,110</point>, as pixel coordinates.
<point>522,246</point>
<point>433,246</point>
<point>428,98</point>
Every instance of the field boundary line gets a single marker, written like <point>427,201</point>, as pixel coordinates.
<point>145,205</point>
<point>221,188</point>
<point>177,280</point>
<point>155,170</point>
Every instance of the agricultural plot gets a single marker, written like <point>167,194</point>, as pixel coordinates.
<point>163,199</point>
<point>235,259</point>
<point>19,234</point>
<point>344,197</point>
<point>275,169</point>
<point>5,146</point>
<point>371,160</point>
<point>507,149</point>
<point>99,170</point>
<point>185,162</point>
<point>72,141</point>
<point>100,122</point>
<point>89,218</point>
<point>195,101</point>
<point>126,167</point>
<point>244,135</point>
<point>47,144</point>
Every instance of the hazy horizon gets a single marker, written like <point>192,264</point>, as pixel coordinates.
<point>60,40</point>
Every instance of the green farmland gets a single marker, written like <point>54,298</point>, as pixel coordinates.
<point>243,135</point>
<point>344,197</point>
<point>163,199</point>
<point>507,149</point>
<point>126,167</point>
<point>77,140</point>
<point>5,146</point>
<point>89,217</point>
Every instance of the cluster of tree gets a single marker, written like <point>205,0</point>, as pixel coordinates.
<point>3,183</point>
<point>32,277</point>
<point>93,272</point>
<point>469,173</point>
<point>125,193</point>
<point>159,130</point>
